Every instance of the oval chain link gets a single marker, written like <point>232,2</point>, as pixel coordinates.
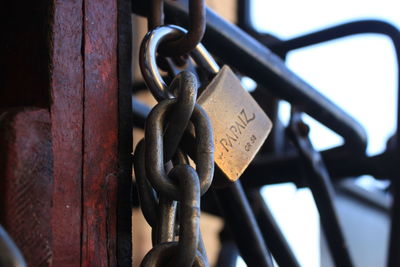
<point>183,44</point>
<point>159,190</point>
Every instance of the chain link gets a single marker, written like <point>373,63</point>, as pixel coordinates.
<point>162,254</point>
<point>196,30</point>
<point>196,27</point>
<point>181,112</point>
<point>148,62</point>
<point>162,170</point>
<point>154,156</point>
<point>165,178</point>
<point>156,14</point>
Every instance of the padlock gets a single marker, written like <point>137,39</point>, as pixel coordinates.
<point>240,125</point>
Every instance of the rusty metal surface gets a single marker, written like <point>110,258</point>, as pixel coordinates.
<point>26,181</point>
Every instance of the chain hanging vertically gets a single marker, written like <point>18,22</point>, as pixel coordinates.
<point>196,27</point>
<point>182,183</point>
<point>163,173</point>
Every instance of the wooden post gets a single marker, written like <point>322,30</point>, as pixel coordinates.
<point>72,58</point>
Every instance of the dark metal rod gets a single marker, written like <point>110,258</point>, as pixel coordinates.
<point>244,16</point>
<point>243,52</point>
<point>373,199</point>
<point>322,189</point>
<point>366,26</point>
<point>285,168</point>
<point>271,232</point>
<point>339,31</point>
<point>394,242</point>
<point>228,255</point>
<point>140,111</point>
<point>358,27</point>
<point>243,226</point>
<point>343,30</point>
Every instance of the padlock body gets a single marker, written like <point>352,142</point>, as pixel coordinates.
<point>240,125</point>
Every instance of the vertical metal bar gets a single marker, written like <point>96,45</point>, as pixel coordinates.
<point>124,209</point>
<point>322,190</point>
<point>270,231</point>
<point>242,223</point>
<point>244,18</point>
<point>394,245</point>
<point>228,255</point>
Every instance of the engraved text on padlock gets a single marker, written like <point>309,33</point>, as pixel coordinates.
<point>240,125</point>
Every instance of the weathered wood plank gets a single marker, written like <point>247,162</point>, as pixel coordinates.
<point>100,134</point>
<point>68,55</point>
<point>67,128</point>
<point>26,181</point>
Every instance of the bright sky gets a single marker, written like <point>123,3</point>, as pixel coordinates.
<point>358,73</point>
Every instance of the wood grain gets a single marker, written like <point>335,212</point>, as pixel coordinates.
<point>67,130</point>
<point>26,181</point>
<point>100,133</point>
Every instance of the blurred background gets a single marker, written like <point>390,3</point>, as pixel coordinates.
<point>359,74</point>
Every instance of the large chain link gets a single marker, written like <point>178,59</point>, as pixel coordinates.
<point>160,190</point>
<point>164,176</point>
<point>196,27</point>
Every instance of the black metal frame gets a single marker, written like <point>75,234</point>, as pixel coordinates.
<point>260,59</point>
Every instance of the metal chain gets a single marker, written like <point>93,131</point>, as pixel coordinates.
<point>186,42</point>
<point>161,190</point>
<point>163,174</point>
<point>156,14</point>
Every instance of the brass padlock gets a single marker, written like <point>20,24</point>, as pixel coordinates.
<point>240,125</point>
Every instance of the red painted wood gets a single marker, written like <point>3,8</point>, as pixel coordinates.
<point>67,130</point>
<point>73,55</point>
<point>100,133</point>
<point>26,181</point>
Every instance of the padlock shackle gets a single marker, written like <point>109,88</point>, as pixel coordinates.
<point>148,64</point>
